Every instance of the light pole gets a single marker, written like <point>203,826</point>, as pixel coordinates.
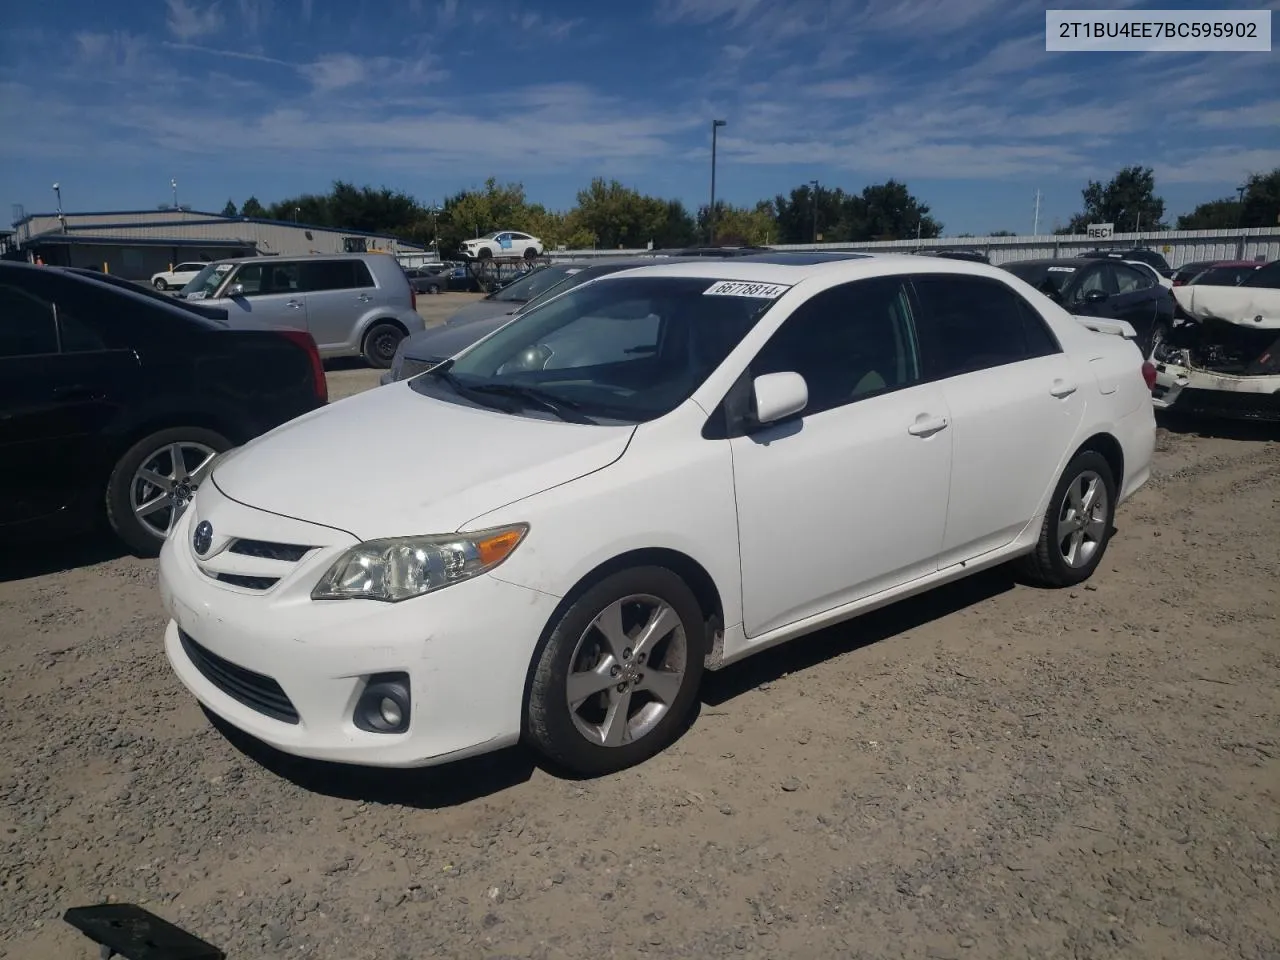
<point>297,211</point>
<point>435,231</point>
<point>1240,205</point>
<point>173,185</point>
<point>814,184</point>
<point>57,195</point>
<point>711,211</point>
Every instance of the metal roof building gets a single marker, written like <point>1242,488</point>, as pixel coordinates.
<point>135,244</point>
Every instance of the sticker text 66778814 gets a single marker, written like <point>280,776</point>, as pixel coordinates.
<point>743,288</point>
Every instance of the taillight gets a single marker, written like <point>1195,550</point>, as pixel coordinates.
<point>1149,374</point>
<point>304,340</point>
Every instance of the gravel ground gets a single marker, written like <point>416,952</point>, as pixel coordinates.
<point>990,771</point>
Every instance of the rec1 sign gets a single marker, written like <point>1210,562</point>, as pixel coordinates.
<point>1101,231</point>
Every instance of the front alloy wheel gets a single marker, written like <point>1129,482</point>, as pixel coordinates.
<point>618,674</point>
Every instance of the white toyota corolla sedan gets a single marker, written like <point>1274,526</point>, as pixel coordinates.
<point>665,470</point>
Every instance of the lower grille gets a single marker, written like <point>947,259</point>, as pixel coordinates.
<point>254,690</point>
<point>249,583</point>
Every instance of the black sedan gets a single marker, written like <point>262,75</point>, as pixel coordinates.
<point>114,403</point>
<point>1096,287</point>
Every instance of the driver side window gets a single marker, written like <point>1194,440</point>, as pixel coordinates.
<point>849,342</point>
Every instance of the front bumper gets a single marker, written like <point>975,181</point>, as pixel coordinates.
<point>466,649</point>
<point>1184,389</point>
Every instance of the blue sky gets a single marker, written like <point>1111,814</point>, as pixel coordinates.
<point>277,97</point>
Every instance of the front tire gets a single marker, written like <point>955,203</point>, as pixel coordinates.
<point>484,253</point>
<point>1077,525</point>
<point>433,290</point>
<point>617,677</point>
<point>154,482</point>
<point>381,343</point>
<point>159,284</point>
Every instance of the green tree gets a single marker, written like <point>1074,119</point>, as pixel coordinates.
<point>230,209</point>
<point>740,226</point>
<point>1259,207</point>
<point>1128,200</point>
<point>888,211</point>
<point>253,208</point>
<point>618,216</point>
<point>799,222</point>
<point>1002,233</point>
<point>474,212</point>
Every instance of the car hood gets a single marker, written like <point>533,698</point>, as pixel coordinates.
<point>1257,307</point>
<point>482,310</point>
<point>391,462</point>
<point>440,343</point>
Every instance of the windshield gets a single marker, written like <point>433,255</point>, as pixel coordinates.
<point>490,235</point>
<point>1042,276</point>
<point>574,278</point>
<point>531,284</point>
<point>629,349</point>
<point>204,283</point>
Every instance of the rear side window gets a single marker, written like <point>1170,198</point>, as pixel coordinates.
<point>321,275</point>
<point>1130,279</point>
<point>974,323</point>
<point>26,324</point>
<point>1268,276</point>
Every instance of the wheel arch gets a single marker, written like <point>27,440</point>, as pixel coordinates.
<point>1108,447</point>
<point>693,573</point>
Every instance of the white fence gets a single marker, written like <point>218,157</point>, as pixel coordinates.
<point>1177,246</point>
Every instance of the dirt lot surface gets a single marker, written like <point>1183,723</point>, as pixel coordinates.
<point>991,771</point>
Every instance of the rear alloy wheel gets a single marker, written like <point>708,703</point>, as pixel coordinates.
<point>617,678</point>
<point>160,284</point>
<point>381,343</point>
<point>154,482</point>
<point>1077,525</point>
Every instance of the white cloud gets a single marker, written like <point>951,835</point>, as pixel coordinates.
<point>188,21</point>
<point>335,71</point>
<point>1215,165</point>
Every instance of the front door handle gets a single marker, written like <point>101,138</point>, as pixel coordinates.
<point>293,304</point>
<point>1062,388</point>
<point>926,426</point>
<point>77,393</point>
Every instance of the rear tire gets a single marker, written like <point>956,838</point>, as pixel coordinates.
<point>160,284</point>
<point>127,488</point>
<point>433,290</point>
<point>380,344</point>
<point>530,253</point>
<point>1077,525</point>
<point>661,674</point>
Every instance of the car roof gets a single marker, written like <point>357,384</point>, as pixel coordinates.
<point>1053,262</point>
<point>749,269</point>
<point>1211,264</point>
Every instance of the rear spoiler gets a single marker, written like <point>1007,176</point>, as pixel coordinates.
<point>1116,328</point>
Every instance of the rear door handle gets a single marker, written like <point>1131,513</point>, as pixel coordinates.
<point>293,304</point>
<point>926,426</point>
<point>364,298</point>
<point>1062,388</point>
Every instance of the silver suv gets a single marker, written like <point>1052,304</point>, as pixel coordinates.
<point>353,305</point>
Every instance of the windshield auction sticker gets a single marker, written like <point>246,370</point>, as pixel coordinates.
<point>741,288</point>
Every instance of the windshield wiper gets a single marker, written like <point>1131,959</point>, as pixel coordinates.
<point>441,372</point>
<point>566,410</point>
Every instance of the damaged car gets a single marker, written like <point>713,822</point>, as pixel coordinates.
<point>1223,358</point>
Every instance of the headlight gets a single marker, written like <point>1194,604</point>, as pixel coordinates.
<point>404,567</point>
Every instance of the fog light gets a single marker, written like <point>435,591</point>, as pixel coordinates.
<point>390,711</point>
<point>384,706</point>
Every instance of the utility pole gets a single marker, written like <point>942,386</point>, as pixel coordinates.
<point>173,184</point>
<point>1240,205</point>
<point>711,210</point>
<point>814,184</point>
<point>1035,224</point>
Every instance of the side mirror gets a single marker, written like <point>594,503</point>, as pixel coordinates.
<point>236,290</point>
<point>1095,296</point>
<point>779,395</point>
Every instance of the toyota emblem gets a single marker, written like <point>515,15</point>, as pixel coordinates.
<point>202,539</point>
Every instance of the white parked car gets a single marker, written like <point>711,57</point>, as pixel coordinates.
<point>179,276</point>
<point>502,243</point>
<point>1151,271</point>
<point>666,469</point>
